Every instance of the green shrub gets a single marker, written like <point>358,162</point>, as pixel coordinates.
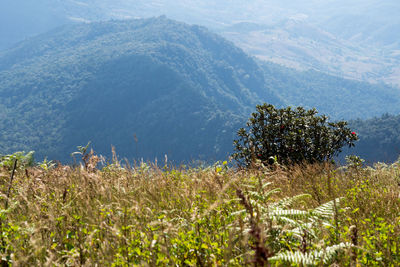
<point>24,160</point>
<point>290,136</point>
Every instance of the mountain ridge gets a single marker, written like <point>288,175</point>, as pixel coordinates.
<point>134,77</point>
<point>365,46</point>
<point>152,87</point>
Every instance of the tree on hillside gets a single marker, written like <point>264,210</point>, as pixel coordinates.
<point>290,136</point>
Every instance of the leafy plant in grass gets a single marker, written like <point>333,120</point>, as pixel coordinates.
<point>24,160</point>
<point>380,243</point>
<point>290,136</point>
<point>215,216</point>
<point>282,234</point>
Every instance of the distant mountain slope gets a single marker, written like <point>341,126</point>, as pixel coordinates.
<point>180,89</point>
<point>364,21</point>
<point>299,44</point>
<point>337,97</point>
<point>379,138</point>
<point>353,39</point>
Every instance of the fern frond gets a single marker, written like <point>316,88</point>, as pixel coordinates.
<point>295,257</point>
<point>299,231</point>
<point>285,221</point>
<point>271,192</point>
<point>327,225</point>
<point>291,213</point>
<point>288,201</point>
<point>261,196</point>
<point>326,210</point>
<point>331,252</point>
<point>311,258</point>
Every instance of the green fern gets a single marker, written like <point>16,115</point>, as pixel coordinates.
<point>327,209</point>
<point>312,258</point>
<point>288,202</point>
<point>301,228</point>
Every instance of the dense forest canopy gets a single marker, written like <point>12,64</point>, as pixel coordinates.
<point>379,138</point>
<point>180,89</point>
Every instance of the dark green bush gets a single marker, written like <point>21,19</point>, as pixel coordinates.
<point>290,136</point>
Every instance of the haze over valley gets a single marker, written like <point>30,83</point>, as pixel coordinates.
<point>356,39</point>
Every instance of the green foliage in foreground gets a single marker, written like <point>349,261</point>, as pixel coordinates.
<point>157,215</point>
<point>292,136</point>
<point>24,160</point>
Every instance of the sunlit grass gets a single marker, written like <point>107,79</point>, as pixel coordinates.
<point>158,215</point>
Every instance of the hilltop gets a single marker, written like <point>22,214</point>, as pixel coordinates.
<point>356,39</point>
<point>152,87</point>
<point>180,89</point>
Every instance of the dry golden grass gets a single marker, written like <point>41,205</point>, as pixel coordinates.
<point>149,215</point>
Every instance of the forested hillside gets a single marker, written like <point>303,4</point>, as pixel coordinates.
<point>179,89</point>
<point>337,97</point>
<point>352,39</point>
<point>379,138</point>
<point>153,87</point>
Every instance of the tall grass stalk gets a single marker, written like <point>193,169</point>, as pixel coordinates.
<point>157,216</point>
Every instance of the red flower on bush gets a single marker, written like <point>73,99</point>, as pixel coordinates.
<point>353,133</point>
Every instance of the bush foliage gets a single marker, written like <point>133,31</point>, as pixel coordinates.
<point>291,136</point>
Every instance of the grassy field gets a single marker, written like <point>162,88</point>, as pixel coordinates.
<point>157,215</point>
